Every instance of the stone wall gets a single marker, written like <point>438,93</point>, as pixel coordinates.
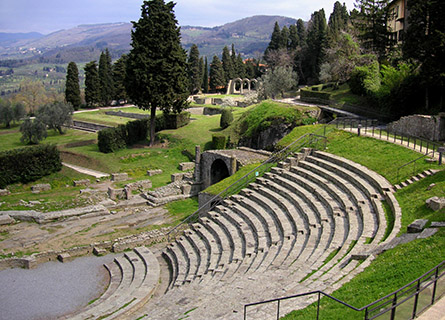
<point>128,115</point>
<point>117,245</point>
<point>89,126</point>
<point>427,127</point>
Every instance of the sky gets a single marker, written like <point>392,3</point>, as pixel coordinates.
<point>46,16</point>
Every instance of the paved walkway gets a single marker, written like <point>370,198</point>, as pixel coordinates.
<point>435,312</point>
<point>90,172</point>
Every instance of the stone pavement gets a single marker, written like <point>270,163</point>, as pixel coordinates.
<point>90,172</point>
<point>435,312</point>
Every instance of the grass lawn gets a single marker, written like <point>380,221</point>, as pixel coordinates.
<point>380,156</point>
<point>63,194</point>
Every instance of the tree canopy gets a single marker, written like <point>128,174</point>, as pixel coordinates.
<point>156,65</point>
<point>72,89</point>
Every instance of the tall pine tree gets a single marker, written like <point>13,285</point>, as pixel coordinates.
<point>92,84</point>
<point>275,40</point>
<point>156,65</point>
<point>72,88</point>
<point>372,23</point>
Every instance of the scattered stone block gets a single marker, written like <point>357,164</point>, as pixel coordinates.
<point>99,251</point>
<point>428,232</point>
<point>64,257</point>
<point>417,226</point>
<point>153,172</point>
<point>6,219</point>
<point>84,182</point>
<point>40,187</point>
<point>438,224</point>
<point>177,177</point>
<point>186,166</point>
<point>4,192</point>
<point>435,203</point>
<point>431,186</point>
<point>34,203</point>
<point>116,177</point>
<point>186,189</point>
<point>430,160</point>
<point>115,194</point>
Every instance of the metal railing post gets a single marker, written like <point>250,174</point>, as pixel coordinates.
<point>318,306</point>
<point>278,310</point>
<point>433,298</point>
<point>421,145</point>
<point>393,310</point>
<point>416,299</point>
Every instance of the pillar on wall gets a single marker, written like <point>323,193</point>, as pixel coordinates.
<point>197,163</point>
<point>232,165</point>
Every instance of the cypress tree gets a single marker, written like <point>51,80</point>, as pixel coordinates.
<point>205,79</point>
<point>201,72</point>
<point>338,20</point>
<point>193,69</point>
<point>72,89</point>
<point>119,92</point>
<point>217,78</point>
<point>105,78</point>
<point>233,57</point>
<point>316,46</point>
<point>92,90</point>
<point>301,31</point>
<point>156,65</point>
<point>227,65</point>
<point>275,40</point>
<point>294,40</point>
<point>240,67</point>
<point>284,41</point>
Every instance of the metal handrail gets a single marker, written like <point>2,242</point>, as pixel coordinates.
<point>275,157</point>
<point>409,162</point>
<point>367,307</point>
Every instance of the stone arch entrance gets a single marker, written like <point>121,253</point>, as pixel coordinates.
<point>218,171</point>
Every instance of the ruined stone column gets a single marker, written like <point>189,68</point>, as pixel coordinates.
<point>197,163</point>
<point>232,165</point>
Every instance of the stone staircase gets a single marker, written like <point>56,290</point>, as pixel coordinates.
<point>134,278</point>
<point>312,223</point>
<point>415,178</point>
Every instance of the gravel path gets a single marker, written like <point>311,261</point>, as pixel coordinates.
<point>52,289</point>
<point>90,172</point>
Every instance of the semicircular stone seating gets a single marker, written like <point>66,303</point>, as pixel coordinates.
<point>311,223</point>
<point>134,278</point>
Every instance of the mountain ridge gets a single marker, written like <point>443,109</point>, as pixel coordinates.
<point>249,35</point>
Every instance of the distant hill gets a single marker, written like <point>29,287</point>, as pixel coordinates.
<point>84,42</point>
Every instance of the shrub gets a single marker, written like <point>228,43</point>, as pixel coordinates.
<point>28,164</point>
<point>111,139</point>
<point>33,131</point>
<point>219,141</point>
<point>226,118</point>
<point>314,94</point>
<point>365,80</point>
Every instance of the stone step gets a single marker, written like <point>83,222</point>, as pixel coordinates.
<point>213,243</point>
<point>380,183</point>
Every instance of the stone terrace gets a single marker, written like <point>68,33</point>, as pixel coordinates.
<point>312,223</point>
<point>274,239</point>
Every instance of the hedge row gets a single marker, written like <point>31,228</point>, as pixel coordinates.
<point>113,139</point>
<point>28,164</point>
<point>305,93</point>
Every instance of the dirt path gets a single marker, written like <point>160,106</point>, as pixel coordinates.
<point>90,172</point>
